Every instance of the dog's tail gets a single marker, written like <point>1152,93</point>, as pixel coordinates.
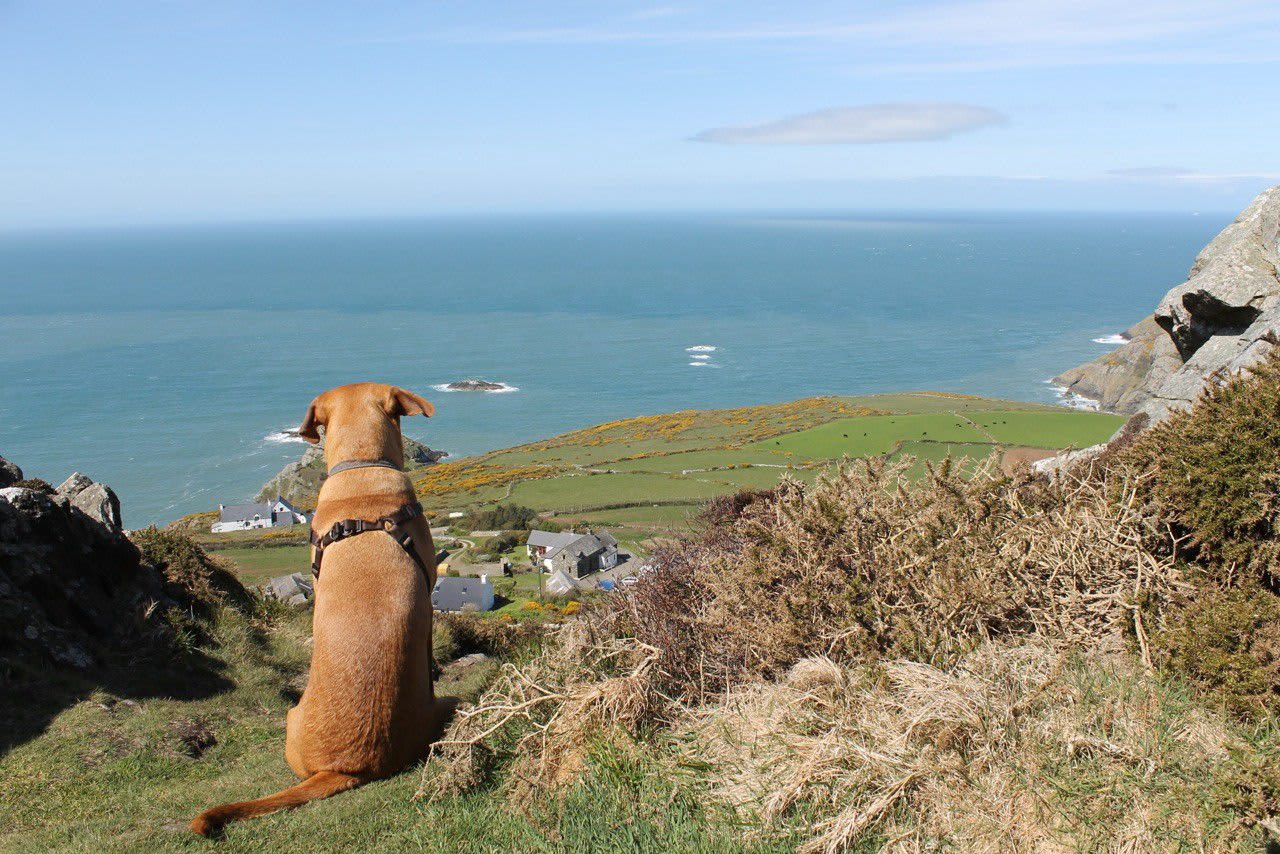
<point>322,784</point>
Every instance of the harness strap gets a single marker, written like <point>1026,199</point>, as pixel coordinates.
<point>393,524</point>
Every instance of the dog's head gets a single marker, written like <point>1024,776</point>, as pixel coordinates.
<point>361,421</point>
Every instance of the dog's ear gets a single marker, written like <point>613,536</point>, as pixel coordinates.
<point>311,423</point>
<point>403,402</point>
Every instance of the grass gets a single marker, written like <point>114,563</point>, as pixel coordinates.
<point>691,456</point>
<point>255,566</point>
<point>682,459</point>
<point>115,774</point>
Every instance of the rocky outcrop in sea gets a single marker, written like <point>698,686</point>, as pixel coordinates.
<point>299,482</point>
<point>1223,318</point>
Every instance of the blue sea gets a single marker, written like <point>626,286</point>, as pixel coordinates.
<point>168,362</point>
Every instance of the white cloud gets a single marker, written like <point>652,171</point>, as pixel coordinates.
<point>872,123</point>
<point>1184,176</point>
<point>953,35</point>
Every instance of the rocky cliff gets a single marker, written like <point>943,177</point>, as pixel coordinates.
<point>71,582</point>
<point>1224,317</point>
<point>76,590</point>
<point>299,482</point>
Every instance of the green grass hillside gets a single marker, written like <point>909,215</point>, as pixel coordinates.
<point>648,476</point>
<point>985,663</point>
<point>685,458</point>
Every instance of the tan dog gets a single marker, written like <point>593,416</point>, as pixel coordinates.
<point>369,710</point>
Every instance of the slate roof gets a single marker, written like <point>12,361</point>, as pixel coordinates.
<point>550,540</point>
<point>245,512</point>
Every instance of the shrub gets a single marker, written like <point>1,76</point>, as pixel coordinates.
<point>1215,474</point>
<point>477,633</point>
<point>506,542</point>
<point>1228,643</point>
<point>503,517</point>
<point>861,566</point>
<point>192,577</point>
<point>35,483</point>
<point>444,646</point>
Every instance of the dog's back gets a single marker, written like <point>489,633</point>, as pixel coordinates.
<point>369,708</point>
<point>369,692</point>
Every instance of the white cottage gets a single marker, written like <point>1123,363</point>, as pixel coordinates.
<point>262,514</point>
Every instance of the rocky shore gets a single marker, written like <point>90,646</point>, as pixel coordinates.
<point>299,482</point>
<point>1223,318</point>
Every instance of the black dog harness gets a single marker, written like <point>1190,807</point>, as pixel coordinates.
<point>396,524</point>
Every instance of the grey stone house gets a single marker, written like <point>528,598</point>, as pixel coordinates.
<point>574,554</point>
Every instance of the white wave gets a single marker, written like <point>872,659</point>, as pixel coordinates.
<point>701,348</point>
<point>1112,340</point>
<point>283,437</point>
<point>702,365</point>
<point>701,357</point>
<point>1071,400</point>
<point>506,389</point>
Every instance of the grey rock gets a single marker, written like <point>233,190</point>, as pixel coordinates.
<point>1053,466</point>
<point>95,500</point>
<point>9,473</point>
<point>1118,380</point>
<point>74,485</point>
<point>1223,319</point>
<point>299,482</point>
<point>73,587</point>
<point>287,587</point>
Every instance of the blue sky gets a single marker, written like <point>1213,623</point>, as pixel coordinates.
<point>118,113</point>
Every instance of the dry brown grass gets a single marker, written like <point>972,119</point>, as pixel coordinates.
<point>862,566</point>
<point>546,714</point>
<point>995,754</point>
<point>964,661</point>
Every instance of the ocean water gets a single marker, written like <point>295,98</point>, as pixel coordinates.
<point>167,362</point>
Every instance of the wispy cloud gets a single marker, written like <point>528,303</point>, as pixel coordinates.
<point>958,35</point>
<point>1184,176</point>
<point>872,123</point>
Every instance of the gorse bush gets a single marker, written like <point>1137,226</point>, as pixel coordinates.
<point>1228,643</point>
<point>1211,478</point>
<point>192,577</point>
<point>503,517</point>
<point>863,565</point>
<point>1215,475</point>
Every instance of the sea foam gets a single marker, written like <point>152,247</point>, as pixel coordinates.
<point>1071,400</point>
<point>701,348</point>
<point>284,437</point>
<point>1112,340</point>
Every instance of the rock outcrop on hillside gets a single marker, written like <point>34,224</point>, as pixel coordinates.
<point>1225,317</point>
<point>299,482</point>
<point>9,473</point>
<point>71,583</point>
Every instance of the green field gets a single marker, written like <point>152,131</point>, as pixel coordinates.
<point>613,474</point>
<point>684,458</point>
<point>256,565</point>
